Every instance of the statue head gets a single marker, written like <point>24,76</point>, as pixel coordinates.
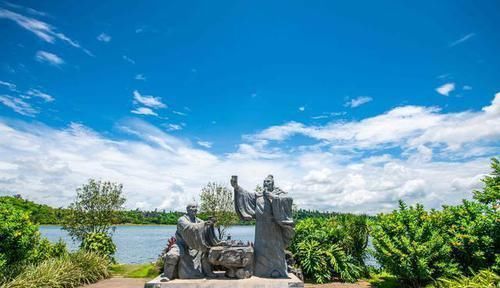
<point>192,209</point>
<point>269,183</point>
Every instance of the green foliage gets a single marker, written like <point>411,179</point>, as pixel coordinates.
<point>18,237</point>
<point>94,210</point>
<point>331,247</point>
<point>65,272</point>
<point>491,192</point>
<point>483,279</point>
<point>410,245</point>
<point>99,243</point>
<point>39,214</point>
<point>472,230</point>
<point>217,202</point>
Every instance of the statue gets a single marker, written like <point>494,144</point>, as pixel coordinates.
<point>272,210</point>
<point>188,257</point>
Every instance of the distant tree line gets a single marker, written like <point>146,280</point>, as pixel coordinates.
<point>47,215</point>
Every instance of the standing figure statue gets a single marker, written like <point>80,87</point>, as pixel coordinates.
<point>272,210</point>
<point>188,257</point>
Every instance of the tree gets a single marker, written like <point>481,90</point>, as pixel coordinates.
<point>491,191</point>
<point>94,210</point>
<point>217,202</point>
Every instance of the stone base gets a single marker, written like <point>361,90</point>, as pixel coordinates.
<point>223,282</point>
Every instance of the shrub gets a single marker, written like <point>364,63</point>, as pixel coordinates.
<point>99,243</point>
<point>409,244</point>
<point>483,279</point>
<point>18,238</point>
<point>472,231</point>
<point>65,272</point>
<point>331,247</point>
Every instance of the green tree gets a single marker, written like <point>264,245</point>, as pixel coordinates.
<point>217,202</point>
<point>410,244</point>
<point>95,209</point>
<point>491,191</point>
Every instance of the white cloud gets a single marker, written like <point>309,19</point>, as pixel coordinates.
<point>10,86</point>
<point>353,103</point>
<point>461,40</point>
<point>205,144</point>
<point>47,57</point>
<point>42,30</point>
<point>144,111</point>
<point>129,60</point>
<point>140,77</point>
<point>147,100</point>
<point>351,167</point>
<point>179,113</point>
<point>37,93</point>
<point>103,37</point>
<point>467,87</point>
<point>173,127</point>
<point>302,108</point>
<point>18,105</point>
<point>446,89</point>
<point>406,127</point>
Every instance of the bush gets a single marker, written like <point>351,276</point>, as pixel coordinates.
<point>65,272</point>
<point>331,247</point>
<point>99,243</point>
<point>410,245</point>
<point>483,279</point>
<point>472,231</point>
<point>18,238</point>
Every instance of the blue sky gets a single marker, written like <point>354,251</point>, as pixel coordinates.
<point>330,96</point>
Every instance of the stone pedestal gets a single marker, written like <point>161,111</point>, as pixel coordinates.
<point>223,282</point>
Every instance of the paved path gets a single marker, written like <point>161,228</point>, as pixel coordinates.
<point>139,283</point>
<point>119,283</point>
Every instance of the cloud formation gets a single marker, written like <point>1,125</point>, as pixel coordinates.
<point>50,58</point>
<point>446,89</point>
<point>18,105</point>
<point>144,111</point>
<point>41,29</point>
<point>462,39</point>
<point>414,153</point>
<point>356,102</point>
<point>103,37</point>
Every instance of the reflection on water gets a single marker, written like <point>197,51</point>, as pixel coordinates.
<point>141,244</point>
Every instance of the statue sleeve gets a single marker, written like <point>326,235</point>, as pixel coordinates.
<point>282,213</point>
<point>192,234</point>
<point>244,203</point>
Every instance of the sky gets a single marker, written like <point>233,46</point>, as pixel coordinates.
<point>351,105</point>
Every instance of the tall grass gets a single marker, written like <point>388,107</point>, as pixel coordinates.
<point>66,272</point>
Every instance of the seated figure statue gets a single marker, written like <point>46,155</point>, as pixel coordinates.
<point>188,257</point>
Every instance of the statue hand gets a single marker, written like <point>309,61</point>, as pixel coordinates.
<point>234,181</point>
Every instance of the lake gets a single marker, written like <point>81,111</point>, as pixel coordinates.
<point>140,243</point>
<point>143,243</point>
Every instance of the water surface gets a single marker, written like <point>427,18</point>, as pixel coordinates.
<point>140,243</point>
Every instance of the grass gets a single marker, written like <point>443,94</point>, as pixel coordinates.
<point>383,280</point>
<point>147,270</point>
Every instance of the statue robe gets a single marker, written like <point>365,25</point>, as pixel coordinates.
<point>273,229</point>
<point>194,240</point>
